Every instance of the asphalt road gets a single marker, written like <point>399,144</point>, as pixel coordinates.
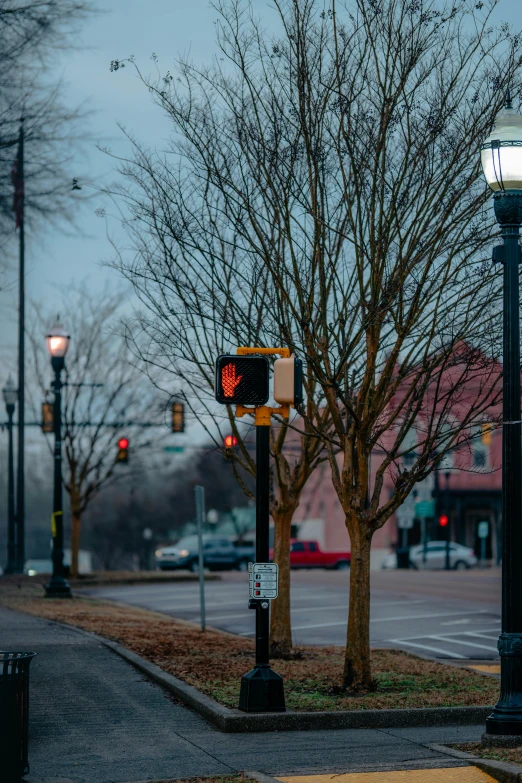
<point>452,615</point>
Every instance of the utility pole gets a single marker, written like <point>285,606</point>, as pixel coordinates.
<point>18,182</point>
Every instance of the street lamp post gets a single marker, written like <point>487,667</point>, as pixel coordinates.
<point>57,345</point>
<point>502,164</point>
<point>10,394</point>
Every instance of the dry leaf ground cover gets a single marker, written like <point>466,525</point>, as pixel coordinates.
<point>512,755</point>
<point>215,661</point>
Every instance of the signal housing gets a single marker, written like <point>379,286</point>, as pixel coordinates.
<point>242,380</point>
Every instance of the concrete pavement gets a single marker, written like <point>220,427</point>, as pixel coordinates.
<point>94,719</point>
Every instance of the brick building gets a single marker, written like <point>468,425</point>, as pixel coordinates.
<point>467,488</point>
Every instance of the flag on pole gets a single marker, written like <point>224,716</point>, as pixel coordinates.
<point>17,178</point>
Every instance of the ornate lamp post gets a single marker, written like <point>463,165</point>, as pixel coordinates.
<point>57,345</point>
<point>502,163</point>
<point>10,395</point>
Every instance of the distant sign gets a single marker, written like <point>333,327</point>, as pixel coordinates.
<point>262,580</point>
<point>175,449</point>
<point>425,508</point>
<point>483,529</point>
<point>406,514</point>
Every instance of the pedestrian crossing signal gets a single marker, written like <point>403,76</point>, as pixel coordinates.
<point>443,520</point>
<point>242,380</point>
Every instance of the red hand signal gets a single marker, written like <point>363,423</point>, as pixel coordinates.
<point>229,380</point>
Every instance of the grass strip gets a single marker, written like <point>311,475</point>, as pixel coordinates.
<point>511,755</point>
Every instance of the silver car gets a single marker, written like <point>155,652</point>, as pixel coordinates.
<point>461,557</point>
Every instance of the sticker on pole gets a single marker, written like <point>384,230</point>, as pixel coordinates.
<point>262,580</point>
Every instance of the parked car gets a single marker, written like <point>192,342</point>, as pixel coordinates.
<point>219,554</point>
<point>308,554</point>
<point>461,557</point>
<point>45,565</point>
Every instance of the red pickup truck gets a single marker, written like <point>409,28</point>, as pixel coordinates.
<point>308,554</point>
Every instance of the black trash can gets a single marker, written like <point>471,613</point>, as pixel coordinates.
<point>14,714</point>
<point>403,557</point>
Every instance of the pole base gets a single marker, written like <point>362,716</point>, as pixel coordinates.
<point>262,691</point>
<point>506,718</point>
<point>58,587</point>
<point>503,725</point>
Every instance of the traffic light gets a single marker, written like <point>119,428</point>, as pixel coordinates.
<point>47,417</point>
<point>123,450</point>
<point>230,441</point>
<point>242,380</point>
<point>443,520</point>
<point>288,381</point>
<point>178,417</point>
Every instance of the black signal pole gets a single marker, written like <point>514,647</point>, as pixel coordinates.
<point>262,689</point>
<point>447,564</point>
<point>20,472</point>
<point>58,587</point>
<point>506,718</point>
<point>10,395</point>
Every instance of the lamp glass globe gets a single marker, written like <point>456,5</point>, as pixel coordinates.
<point>501,153</point>
<point>57,341</point>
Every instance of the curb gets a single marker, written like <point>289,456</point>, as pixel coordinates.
<point>502,771</point>
<point>232,720</point>
<point>260,777</point>
<point>81,584</point>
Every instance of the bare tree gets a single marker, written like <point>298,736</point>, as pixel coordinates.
<point>31,34</point>
<point>198,302</point>
<point>198,305</point>
<point>333,170</point>
<point>105,397</point>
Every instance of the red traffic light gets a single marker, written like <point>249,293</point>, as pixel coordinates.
<point>443,520</point>
<point>230,441</point>
<point>242,380</point>
<point>123,450</point>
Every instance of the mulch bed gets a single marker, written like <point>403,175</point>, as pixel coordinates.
<point>311,680</point>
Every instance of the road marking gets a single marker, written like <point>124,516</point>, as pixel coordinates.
<point>459,641</point>
<point>392,619</point>
<point>301,609</point>
<point>457,622</point>
<point>445,653</point>
<point>484,635</point>
<point>446,635</point>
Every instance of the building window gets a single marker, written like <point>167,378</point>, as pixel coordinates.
<point>481,446</point>
<point>480,458</point>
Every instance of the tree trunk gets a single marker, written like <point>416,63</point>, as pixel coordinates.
<point>357,667</point>
<point>280,624</point>
<point>75,540</point>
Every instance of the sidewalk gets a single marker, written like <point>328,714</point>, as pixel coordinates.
<point>95,719</point>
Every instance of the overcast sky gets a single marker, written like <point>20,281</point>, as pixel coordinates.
<point>125,27</point>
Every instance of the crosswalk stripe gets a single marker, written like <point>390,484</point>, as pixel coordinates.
<point>445,653</point>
